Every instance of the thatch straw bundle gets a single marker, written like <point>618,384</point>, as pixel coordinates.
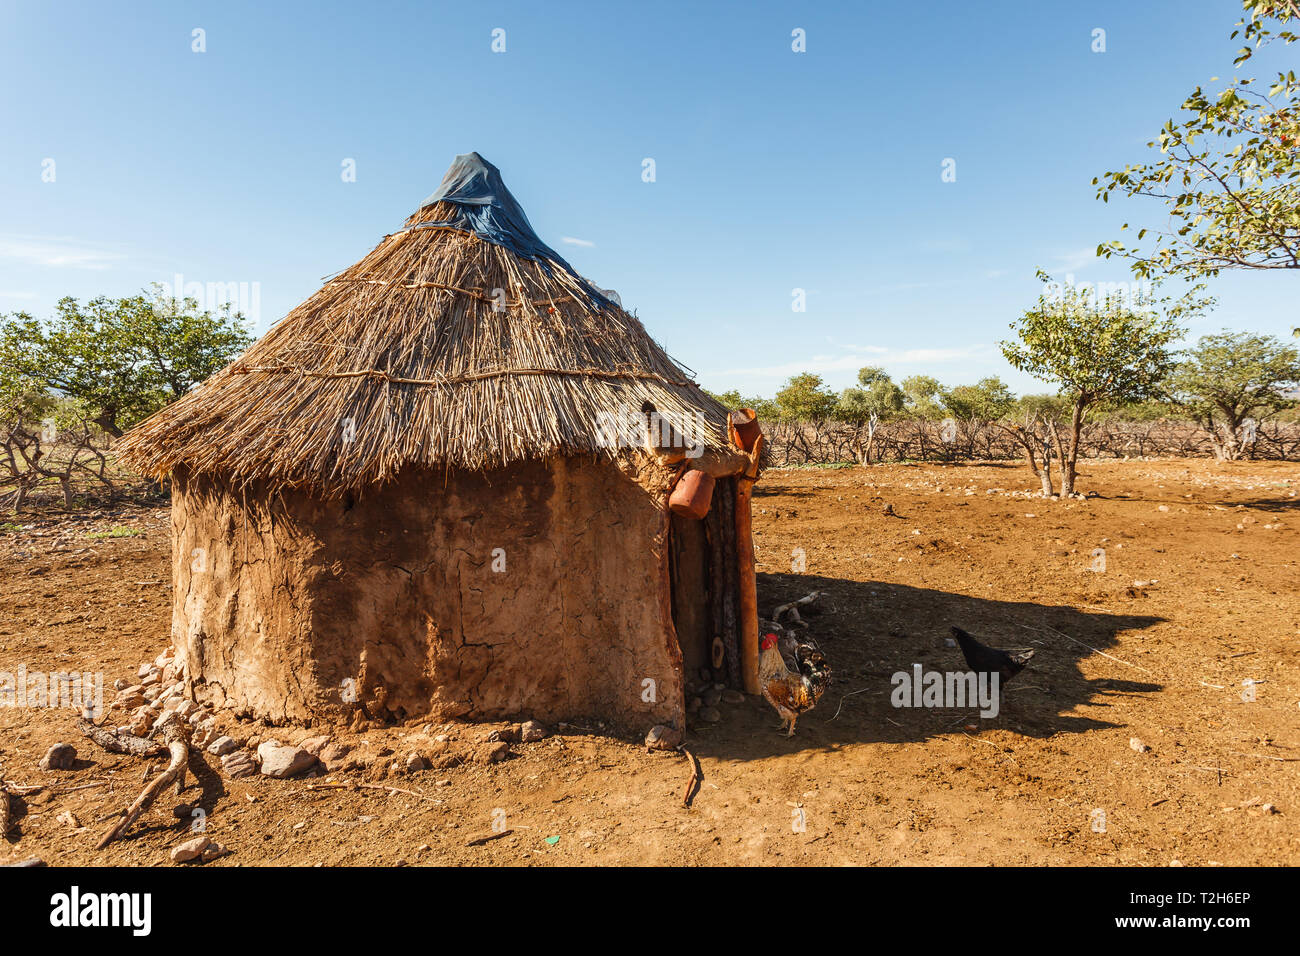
<point>408,359</point>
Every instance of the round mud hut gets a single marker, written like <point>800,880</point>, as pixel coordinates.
<point>457,481</point>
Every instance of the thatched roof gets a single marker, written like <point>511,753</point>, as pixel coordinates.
<point>412,357</point>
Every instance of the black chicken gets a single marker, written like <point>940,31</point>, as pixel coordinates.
<point>985,660</point>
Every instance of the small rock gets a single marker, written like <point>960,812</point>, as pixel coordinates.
<point>710,715</point>
<point>69,819</point>
<point>508,735</point>
<point>214,851</point>
<point>533,731</point>
<point>190,849</point>
<point>222,746</point>
<point>59,757</point>
<point>314,745</point>
<point>238,764</point>
<point>693,705</point>
<point>711,697</point>
<point>730,696</point>
<point>334,756</point>
<point>281,762</point>
<point>415,762</point>
<point>139,726</point>
<point>663,737</point>
<point>1137,745</point>
<point>492,752</point>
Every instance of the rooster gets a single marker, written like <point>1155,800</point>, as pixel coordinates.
<point>985,660</point>
<point>793,677</point>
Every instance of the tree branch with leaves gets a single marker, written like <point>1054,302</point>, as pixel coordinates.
<point>1228,172</point>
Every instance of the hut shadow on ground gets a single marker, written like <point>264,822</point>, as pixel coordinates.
<point>1278,504</point>
<point>872,630</point>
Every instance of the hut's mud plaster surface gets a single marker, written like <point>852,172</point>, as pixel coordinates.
<point>292,606</point>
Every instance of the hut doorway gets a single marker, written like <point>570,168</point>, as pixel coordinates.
<point>704,579</point>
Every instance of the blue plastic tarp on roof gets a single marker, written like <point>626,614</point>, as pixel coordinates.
<point>485,207</point>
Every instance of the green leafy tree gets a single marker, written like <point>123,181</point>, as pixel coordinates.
<point>921,396</point>
<point>121,359</point>
<point>1228,172</point>
<point>987,401</point>
<point>1096,348</point>
<point>1231,379</point>
<point>731,398</point>
<point>805,398</point>
<point>971,409</point>
<point>766,409</point>
<point>875,397</point>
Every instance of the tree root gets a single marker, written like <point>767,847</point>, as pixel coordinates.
<point>176,736</point>
<point>697,777</point>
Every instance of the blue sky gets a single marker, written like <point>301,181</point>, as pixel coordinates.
<point>775,170</point>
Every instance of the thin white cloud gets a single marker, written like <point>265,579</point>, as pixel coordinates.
<point>57,252</point>
<point>1076,260</point>
<point>569,240</point>
<point>17,295</point>
<point>868,349</point>
<point>852,362</point>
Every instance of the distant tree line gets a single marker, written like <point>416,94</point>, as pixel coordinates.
<point>1121,390</point>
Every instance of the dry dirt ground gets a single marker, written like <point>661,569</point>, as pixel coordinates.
<point>1198,595</point>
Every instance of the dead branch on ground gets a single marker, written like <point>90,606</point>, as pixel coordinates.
<point>176,736</point>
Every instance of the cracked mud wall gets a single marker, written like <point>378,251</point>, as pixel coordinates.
<point>288,605</point>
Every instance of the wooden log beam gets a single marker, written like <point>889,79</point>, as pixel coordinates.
<point>730,589</point>
<point>748,438</point>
